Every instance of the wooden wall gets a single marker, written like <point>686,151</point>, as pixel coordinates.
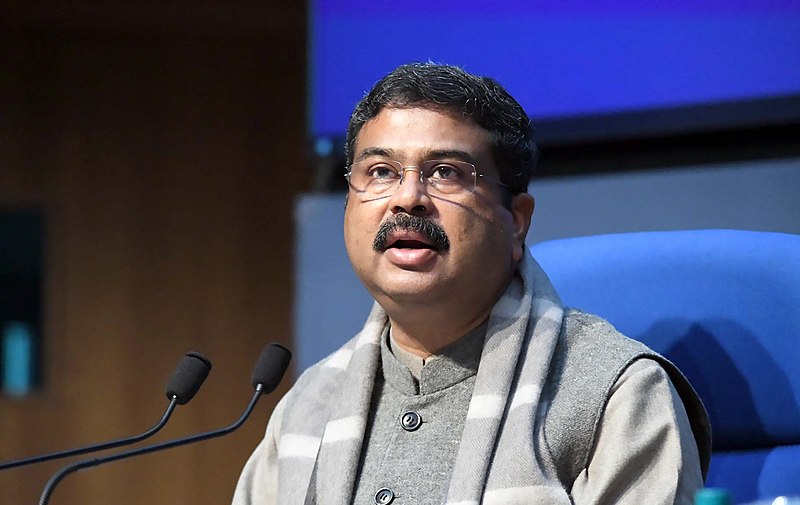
<point>165,143</point>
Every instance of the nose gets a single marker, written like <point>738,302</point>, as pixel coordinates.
<point>411,197</point>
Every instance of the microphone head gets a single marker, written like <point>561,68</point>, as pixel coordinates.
<point>270,367</point>
<point>188,377</point>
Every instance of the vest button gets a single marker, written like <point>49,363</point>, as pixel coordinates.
<point>384,496</point>
<point>410,421</point>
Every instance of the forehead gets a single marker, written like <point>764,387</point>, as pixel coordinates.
<point>413,133</point>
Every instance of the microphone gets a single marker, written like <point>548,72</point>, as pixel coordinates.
<point>182,386</point>
<point>269,369</point>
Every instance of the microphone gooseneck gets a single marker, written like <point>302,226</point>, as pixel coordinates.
<point>270,368</point>
<point>187,378</point>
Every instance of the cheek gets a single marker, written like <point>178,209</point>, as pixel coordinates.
<point>350,227</point>
<point>359,231</point>
<point>481,235</point>
<point>501,236</point>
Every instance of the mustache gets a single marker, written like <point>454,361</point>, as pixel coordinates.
<point>428,228</point>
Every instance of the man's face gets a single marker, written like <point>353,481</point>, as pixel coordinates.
<point>411,266</point>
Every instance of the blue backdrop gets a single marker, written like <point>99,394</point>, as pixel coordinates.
<point>566,58</point>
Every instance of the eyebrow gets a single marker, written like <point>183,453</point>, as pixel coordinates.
<point>371,152</point>
<point>431,154</point>
<point>455,154</point>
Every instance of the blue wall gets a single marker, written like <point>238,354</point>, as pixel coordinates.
<point>566,58</point>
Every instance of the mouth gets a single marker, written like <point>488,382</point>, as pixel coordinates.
<point>410,251</point>
<point>408,243</point>
<point>406,232</point>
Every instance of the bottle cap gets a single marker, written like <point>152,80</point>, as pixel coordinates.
<point>712,496</point>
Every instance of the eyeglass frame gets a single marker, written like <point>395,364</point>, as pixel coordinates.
<point>424,180</point>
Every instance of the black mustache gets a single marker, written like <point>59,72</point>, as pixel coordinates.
<point>422,225</point>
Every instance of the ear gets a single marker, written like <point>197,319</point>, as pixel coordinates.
<point>522,205</point>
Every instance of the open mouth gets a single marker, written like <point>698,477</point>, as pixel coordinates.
<point>408,232</point>
<point>410,250</point>
<point>408,244</point>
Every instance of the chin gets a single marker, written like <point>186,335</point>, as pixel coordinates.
<point>410,290</point>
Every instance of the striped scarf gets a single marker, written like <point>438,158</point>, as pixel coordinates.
<point>502,457</point>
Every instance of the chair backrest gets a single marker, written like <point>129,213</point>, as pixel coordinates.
<point>724,306</point>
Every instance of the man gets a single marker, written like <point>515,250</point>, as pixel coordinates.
<point>470,383</point>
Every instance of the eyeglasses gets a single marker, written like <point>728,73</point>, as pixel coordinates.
<point>382,178</point>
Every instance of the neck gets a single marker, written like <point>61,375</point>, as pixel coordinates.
<point>425,335</point>
<point>425,326</point>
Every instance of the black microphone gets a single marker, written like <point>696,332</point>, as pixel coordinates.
<point>269,369</point>
<point>182,386</point>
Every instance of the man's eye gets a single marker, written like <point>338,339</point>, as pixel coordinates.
<point>444,171</point>
<point>382,172</point>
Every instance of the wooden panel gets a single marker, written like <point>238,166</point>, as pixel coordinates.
<point>167,161</point>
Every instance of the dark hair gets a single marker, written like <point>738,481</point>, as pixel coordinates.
<point>450,88</point>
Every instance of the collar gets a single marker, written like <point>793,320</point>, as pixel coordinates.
<point>412,375</point>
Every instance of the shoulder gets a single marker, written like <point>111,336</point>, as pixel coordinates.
<point>592,350</point>
<point>588,366</point>
<point>582,332</point>
<point>589,357</point>
<point>643,449</point>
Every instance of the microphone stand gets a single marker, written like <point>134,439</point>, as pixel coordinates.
<point>80,465</point>
<point>98,447</point>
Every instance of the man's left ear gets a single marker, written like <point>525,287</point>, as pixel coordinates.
<point>522,205</point>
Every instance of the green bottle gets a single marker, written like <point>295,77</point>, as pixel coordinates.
<point>712,496</point>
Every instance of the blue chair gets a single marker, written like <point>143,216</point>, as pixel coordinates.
<point>724,306</point>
